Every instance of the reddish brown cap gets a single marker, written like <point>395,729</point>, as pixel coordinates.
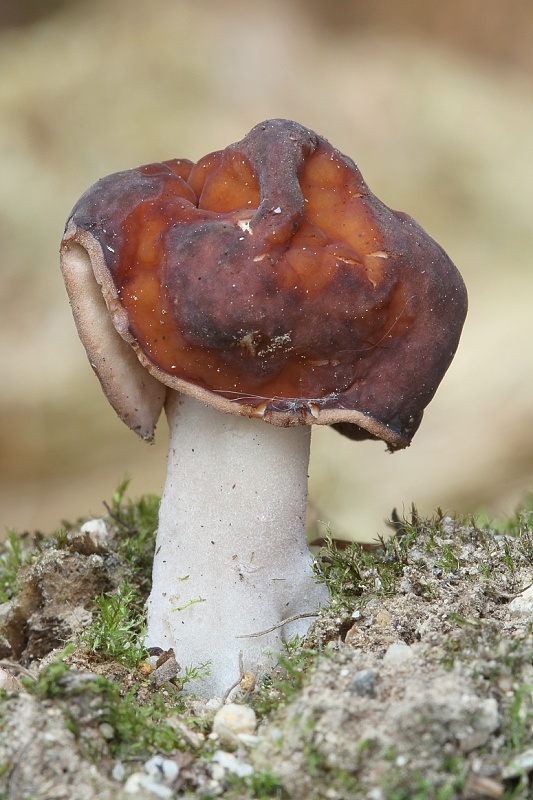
<point>267,280</point>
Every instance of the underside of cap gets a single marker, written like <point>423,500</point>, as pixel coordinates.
<point>136,396</point>
<point>268,281</point>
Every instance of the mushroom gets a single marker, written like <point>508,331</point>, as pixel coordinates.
<point>251,295</point>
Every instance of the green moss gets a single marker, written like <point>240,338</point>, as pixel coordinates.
<point>15,552</point>
<point>260,785</point>
<point>449,559</point>
<point>403,785</point>
<point>516,725</point>
<point>138,728</point>
<point>358,571</point>
<point>117,630</point>
<point>49,685</point>
<point>287,679</point>
<point>438,556</point>
<point>135,524</point>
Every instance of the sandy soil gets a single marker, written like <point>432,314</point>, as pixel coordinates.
<point>415,682</point>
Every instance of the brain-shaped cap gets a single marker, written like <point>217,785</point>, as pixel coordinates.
<point>267,280</point>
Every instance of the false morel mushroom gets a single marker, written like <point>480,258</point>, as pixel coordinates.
<point>263,284</point>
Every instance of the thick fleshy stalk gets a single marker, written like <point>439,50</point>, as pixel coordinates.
<point>231,554</point>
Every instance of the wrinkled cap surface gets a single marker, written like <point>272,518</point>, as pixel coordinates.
<point>267,280</point>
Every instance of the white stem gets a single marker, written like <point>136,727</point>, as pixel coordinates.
<point>231,553</point>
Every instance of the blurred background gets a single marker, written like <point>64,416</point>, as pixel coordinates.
<point>434,101</point>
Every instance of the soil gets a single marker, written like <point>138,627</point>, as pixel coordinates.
<point>416,682</point>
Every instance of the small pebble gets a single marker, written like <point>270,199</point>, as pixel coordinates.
<point>162,769</point>
<point>478,787</point>
<point>405,586</point>
<point>363,683</point>
<point>166,669</point>
<point>474,741</point>
<point>398,653</point>
<point>107,730</point>
<point>192,738</point>
<point>8,682</point>
<point>232,722</point>
<point>97,530</point>
<point>522,606</point>
<point>520,764</point>
<point>230,763</point>
<point>143,785</point>
<point>118,772</point>
<point>247,682</point>
<point>505,683</point>
<point>214,703</point>
<point>487,718</point>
